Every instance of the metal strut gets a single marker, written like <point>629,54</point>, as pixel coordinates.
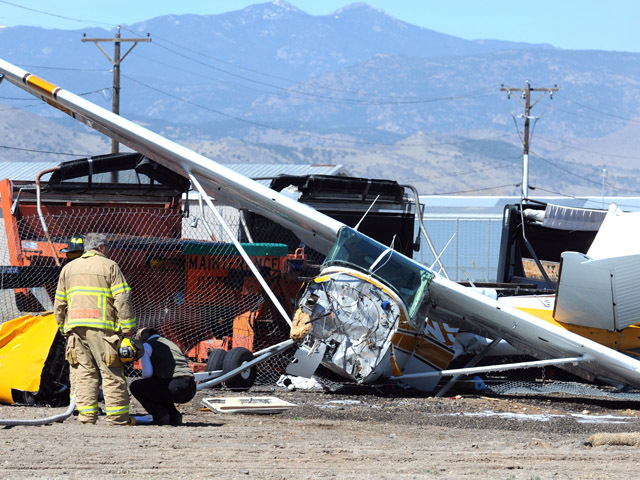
<point>242,251</point>
<point>495,368</point>
<point>472,363</point>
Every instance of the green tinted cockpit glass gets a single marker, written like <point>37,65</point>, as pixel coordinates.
<point>406,277</point>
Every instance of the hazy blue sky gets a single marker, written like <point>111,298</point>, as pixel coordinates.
<point>572,24</point>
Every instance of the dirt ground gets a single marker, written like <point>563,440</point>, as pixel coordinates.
<point>352,435</point>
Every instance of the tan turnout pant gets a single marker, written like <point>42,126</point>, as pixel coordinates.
<point>93,354</point>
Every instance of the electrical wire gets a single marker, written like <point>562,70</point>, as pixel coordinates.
<point>31,150</point>
<point>395,100</point>
<point>43,67</point>
<point>326,97</point>
<point>588,180</point>
<point>575,114</point>
<point>281,129</point>
<point>296,82</point>
<point>288,90</point>
<point>573,147</point>
<point>462,173</point>
<point>612,115</point>
<point>55,15</point>
<point>477,189</point>
<point>585,179</point>
<point>587,199</point>
<point>102,91</point>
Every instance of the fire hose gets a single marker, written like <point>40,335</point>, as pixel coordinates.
<point>42,421</point>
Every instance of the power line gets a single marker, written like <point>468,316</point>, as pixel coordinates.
<point>288,90</point>
<point>42,67</point>
<point>600,111</point>
<point>573,147</point>
<point>55,15</point>
<point>463,172</point>
<point>587,200</point>
<point>579,115</point>
<point>293,132</point>
<point>103,91</point>
<point>296,82</point>
<point>565,170</point>
<point>326,97</point>
<point>585,179</point>
<point>31,150</point>
<point>394,99</point>
<point>17,98</point>
<point>556,193</point>
<point>478,189</point>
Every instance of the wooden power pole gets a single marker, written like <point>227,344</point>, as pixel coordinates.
<point>116,61</point>
<point>526,96</point>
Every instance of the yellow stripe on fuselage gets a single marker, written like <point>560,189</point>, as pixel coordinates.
<point>626,339</point>
<point>424,348</point>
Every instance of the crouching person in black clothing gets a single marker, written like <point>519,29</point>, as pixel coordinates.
<point>167,378</point>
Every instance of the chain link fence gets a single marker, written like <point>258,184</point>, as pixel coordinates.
<point>468,247</point>
<point>187,280</point>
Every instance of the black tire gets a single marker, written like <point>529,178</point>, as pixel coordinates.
<point>244,380</point>
<point>215,362</point>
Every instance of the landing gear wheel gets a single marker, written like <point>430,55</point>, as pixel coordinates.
<point>244,380</point>
<point>215,361</point>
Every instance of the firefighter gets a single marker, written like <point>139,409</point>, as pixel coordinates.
<point>167,378</point>
<point>75,248</point>
<point>93,308</point>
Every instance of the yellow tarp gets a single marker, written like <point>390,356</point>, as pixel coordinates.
<point>25,343</point>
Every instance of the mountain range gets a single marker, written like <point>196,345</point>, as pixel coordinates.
<point>271,83</point>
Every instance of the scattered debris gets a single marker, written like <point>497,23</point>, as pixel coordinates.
<point>292,382</point>
<point>253,405</point>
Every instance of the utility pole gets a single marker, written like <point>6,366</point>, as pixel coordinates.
<point>116,61</point>
<point>525,94</point>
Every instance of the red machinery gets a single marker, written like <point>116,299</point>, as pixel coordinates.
<point>199,292</point>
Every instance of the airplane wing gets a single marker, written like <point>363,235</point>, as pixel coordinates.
<point>226,186</point>
<point>462,307</point>
<point>443,301</point>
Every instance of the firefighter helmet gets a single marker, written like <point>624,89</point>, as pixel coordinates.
<point>76,244</point>
<point>130,350</point>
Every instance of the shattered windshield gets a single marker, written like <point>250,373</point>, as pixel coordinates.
<point>407,278</point>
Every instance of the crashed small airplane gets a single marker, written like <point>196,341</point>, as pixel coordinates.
<point>596,293</point>
<point>371,313</point>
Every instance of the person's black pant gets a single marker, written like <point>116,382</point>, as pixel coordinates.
<point>158,396</point>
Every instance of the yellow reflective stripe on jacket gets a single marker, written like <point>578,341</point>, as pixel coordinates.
<point>92,292</point>
<point>120,288</point>
<point>127,324</point>
<point>91,323</point>
<point>81,317</point>
<point>120,410</point>
<point>96,291</point>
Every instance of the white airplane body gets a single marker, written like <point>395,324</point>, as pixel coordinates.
<point>372,313</point>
